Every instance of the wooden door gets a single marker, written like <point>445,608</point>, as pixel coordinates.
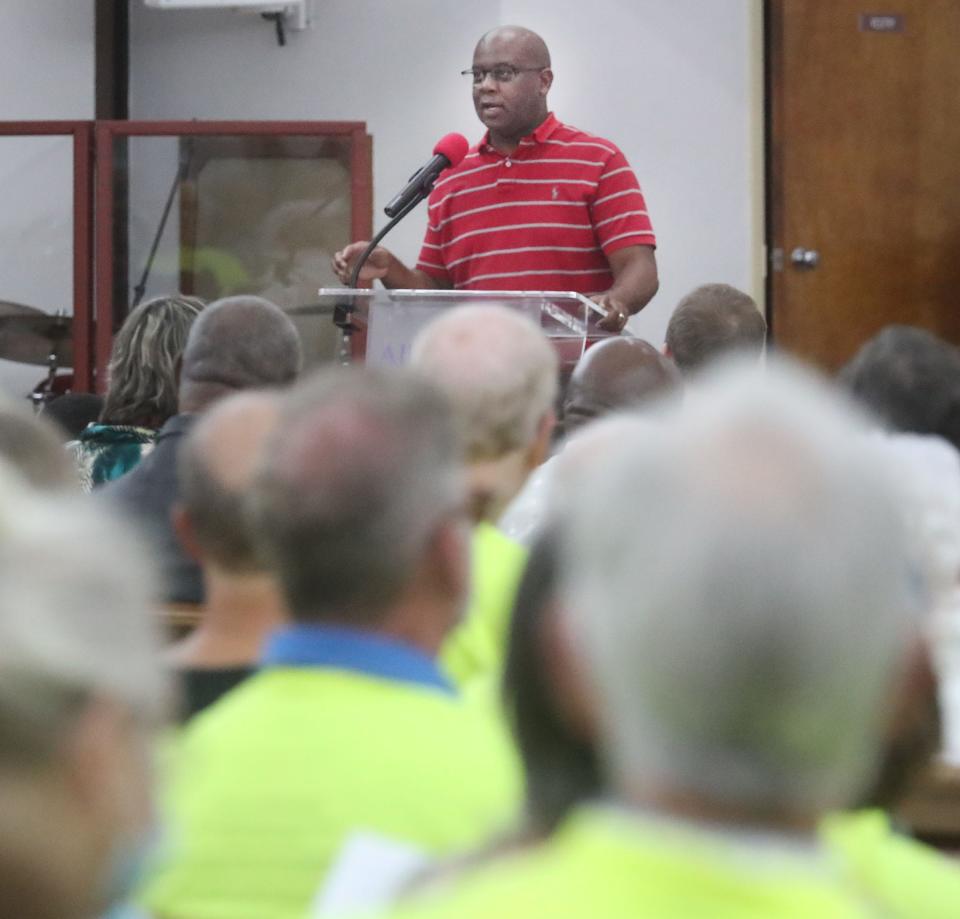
<point>864,171</point>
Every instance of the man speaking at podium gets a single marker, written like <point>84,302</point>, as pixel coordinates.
<point>536,205</point>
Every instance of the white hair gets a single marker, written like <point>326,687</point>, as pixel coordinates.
<point>928,473</point>
<point>546,490</point>
<point>76,617</point>
<point>498,370</point>
<point>743,588</point>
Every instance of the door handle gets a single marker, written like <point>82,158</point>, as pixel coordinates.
<point>805,258</point>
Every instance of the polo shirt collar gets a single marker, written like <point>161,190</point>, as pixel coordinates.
<point>350,649</point>
<point>542,133</point>
<point>545,128</point>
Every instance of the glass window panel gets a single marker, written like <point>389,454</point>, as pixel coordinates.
<point>247,214</point>
<point>36,252</point>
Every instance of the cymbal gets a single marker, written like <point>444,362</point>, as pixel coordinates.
<point>9,308</point>
<point>30,336</point>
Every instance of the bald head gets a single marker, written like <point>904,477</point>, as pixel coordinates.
<point>512,76</point>
<point>517,41</point>
<point>237,343</point>
<point>498,370</point>
<point>615,374</point>
<point>216,468</point>
<point>366,469</point>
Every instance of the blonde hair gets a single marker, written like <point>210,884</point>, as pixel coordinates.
<point>145,362</point>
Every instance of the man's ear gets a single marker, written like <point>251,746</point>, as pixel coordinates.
<point>667,352</point>
<point>91,749</point>
<point>915,690</point>
<point>450,546</point>
<point>108,770</point>
<point>546,80</point>
<point>912,731</point>
<point>539,450</point>
<point>183,527</point>
<point>570,685</point>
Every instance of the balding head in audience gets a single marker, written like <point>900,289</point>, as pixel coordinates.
<point>216,469</point>
<point>500,374</point>
<point>619,373</point>
<point>238,343</point>
<point>81,689</point>
<point>713,321</point>
<point>742,673</point>
<point>243,605</point>
<point>360,507</point>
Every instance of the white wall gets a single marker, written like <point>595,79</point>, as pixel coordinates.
<point>47,72</point>
<point>46,59</point>
<point>670,81</point>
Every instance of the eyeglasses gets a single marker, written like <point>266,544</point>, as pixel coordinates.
<point>502,73</point>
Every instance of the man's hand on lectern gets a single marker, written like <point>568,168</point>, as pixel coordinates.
<point>617,313</point>
<point>375,267</point>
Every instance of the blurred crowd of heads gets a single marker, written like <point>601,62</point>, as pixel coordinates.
<point>721,601</point>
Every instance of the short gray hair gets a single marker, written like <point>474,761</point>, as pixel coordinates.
<point>498,370</point>
<point>713,321</point>
<point>365,464</point>
<point>743,585</point>
<point>239,343</point>
<point>145,361</point>
<point>76,620</point>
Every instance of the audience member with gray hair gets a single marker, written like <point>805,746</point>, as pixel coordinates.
<point>236,343</point>
<point>500,373</point>
<point>560,761</point>
<point>243,605</point>
<point>349,743</point>
<point>714,321</point>
<point>346,529</point>
<point>753,493</point>
<point>736,677</point>
<point>142,383</point>
<point>910,379</point>
<point>81,691</point>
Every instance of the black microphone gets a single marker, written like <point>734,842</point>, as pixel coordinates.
<point>448,152</point>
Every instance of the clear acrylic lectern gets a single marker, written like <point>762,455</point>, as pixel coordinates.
<point>379,325</point>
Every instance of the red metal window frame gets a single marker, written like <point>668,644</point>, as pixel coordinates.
<point>107,132</point>
<point>82,134</point>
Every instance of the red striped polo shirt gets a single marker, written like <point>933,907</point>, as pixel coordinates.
<point>544,218</point>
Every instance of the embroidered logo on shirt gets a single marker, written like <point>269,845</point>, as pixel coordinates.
<point>555,193</point>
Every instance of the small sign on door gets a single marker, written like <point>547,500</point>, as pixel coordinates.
<point>881,22</point>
